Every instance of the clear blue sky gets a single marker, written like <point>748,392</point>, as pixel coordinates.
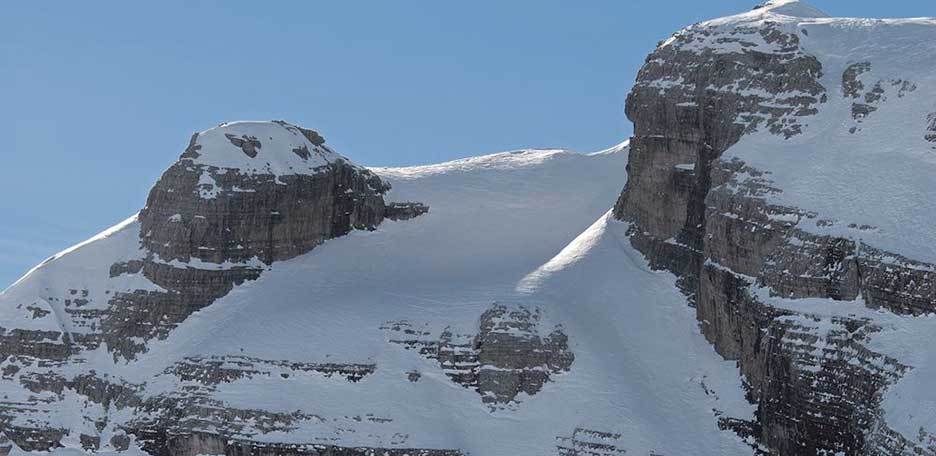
<point>97,98</point>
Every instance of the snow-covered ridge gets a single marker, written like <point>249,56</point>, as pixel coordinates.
<point>791,15</point>
<point>793,8</point>
<point>262,147</point>
<point>509,160</point>
<point>516,159</point>
<point>125,224</point>
<point>799,11</point>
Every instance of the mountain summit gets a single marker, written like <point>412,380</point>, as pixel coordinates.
<point>764,283</point>
<point>793,8</point>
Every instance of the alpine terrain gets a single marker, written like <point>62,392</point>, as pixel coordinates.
<point>765,282</point>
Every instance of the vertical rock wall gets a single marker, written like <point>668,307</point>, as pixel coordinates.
<point>816,384</point>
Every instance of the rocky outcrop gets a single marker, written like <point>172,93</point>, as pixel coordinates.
<point>930,128</point>
<point>213,370</point>
<point>867,95</point>
<point>193,444</point>
<point>513,357</point>
<point>509,355</point>
<point>239,216</point>
<point>589,442</point>
<point>405,211</point>
<point>816,383</point>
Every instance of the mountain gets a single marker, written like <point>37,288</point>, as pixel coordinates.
<point>762,285</point>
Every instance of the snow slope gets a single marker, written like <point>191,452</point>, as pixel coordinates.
<point>215,148</point>
<point>516,228</point>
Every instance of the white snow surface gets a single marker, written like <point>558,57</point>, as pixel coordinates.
<point>275,155</point>
<point>793,8</point>
<point>517,228</point>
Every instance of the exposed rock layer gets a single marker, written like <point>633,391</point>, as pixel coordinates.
<point>506,357</point>
<point>267,217</point>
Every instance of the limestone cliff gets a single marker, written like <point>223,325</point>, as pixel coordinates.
<point>717,221</point>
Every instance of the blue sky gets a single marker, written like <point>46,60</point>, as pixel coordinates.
<point>99,97</point>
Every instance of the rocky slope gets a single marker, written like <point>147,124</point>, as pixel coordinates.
<point>788,150</point>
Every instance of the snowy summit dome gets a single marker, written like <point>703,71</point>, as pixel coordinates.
<point>793,8</point>
<point>261,147</point>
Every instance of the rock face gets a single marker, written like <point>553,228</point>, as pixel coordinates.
<point>711,220</point>
<point>405,211</point>
<point>200,209</point>
<point>506,357</point>
<point>513,358</point>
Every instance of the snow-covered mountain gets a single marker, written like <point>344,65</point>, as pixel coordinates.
<point>763,283</point>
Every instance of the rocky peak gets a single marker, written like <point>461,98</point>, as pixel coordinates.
<point>257,190</point>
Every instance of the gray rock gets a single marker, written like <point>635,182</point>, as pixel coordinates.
<point>193,444</point>
<point>510,353</point>
<point>405,211</point>
<point>589,442</point>
<point>249,144</point>
<point>931,128</point>
<point>120,442</point>
<point>213,370</point>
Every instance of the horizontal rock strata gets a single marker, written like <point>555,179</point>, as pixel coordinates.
<point>816,383</point>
